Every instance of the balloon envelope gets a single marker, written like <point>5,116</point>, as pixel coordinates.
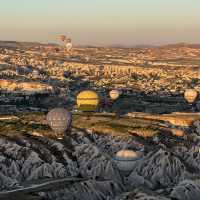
<point>59,119</point>
<point>190,95</point>
<point>68,40</point>
<point>125,160</point>
<point>35,73</point>
<point>114,94</point>
<point>127,155</point>
<point>68,45</point>
<point>62,37</point>
<point>87,100</point>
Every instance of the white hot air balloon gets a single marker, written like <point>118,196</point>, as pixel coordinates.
<point>114,94</point>
<point>125,160</point>
<point>66,41</point>
<point>35,74</point>
<point>190,95</point>
<point>68,44</point>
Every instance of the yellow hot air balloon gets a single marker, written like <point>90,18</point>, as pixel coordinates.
<point>114,94</point>
<point>190,95</point>
<point>87,100</point>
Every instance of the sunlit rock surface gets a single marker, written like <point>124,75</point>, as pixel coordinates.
<point>151,117</point>
<point>26,87</point>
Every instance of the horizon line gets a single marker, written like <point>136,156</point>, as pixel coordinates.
<point>109,45</point>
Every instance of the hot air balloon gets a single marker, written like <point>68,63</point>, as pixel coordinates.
<point>87,100</point>
<point>125,160</point>
<point>114,94</point>
<point>68,44</point>
<point>59,119</point>
<point>35,74</point>
<point>62,38</point>
<point>190,95</point>
<point>68,40</point>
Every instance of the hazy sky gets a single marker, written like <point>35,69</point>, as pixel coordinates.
<point>101,22</point>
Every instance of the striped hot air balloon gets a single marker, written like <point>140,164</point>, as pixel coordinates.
<point>87,100</point>
<point>125,160</point>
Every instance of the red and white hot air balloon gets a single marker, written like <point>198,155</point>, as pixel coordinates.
<point>68,40</point>
<point>62,37</point>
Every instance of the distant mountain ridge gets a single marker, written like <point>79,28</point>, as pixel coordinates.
<point>16,44</point>
<point>178,45</point>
